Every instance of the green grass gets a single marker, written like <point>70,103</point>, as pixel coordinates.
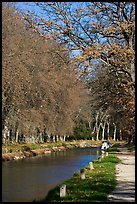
<point>98,183</point>
<point>27,147</point>
<point>13,148</point>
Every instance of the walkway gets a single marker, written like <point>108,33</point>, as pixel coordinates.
<point>125,173</point>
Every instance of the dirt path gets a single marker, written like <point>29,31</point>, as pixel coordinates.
<point>125,173</point>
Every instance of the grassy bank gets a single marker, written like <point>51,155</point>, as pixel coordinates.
<point>19,151</point>
<point>95,187</point>
<point>14,148</point>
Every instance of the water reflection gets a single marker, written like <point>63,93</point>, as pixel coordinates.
<point>31,178</point>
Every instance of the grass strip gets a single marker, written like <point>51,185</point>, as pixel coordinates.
<point>94,188</point>
<point>14,148</point>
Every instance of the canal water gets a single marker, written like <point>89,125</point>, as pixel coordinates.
<point>30,179</point>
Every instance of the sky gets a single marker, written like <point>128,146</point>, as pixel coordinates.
<point>28,6</point>
<point>31,6</point>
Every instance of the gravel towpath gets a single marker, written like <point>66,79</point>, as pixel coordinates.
<point>125,176</point>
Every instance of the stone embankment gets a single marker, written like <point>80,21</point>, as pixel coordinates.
<point>44,151</point>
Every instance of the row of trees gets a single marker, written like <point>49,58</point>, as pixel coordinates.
<point>41,92</point>
<point>49,90</point>
<point>104,35</point>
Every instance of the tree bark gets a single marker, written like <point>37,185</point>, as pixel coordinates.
<point>115,129</point>
<point>103,131</point>
<point>132,63</point>
<point>64,138</point>
<point>108,129</point>
<point>41,137</point>
<point>61,138</point>
<point>4,136</point>
<point>17,136</point>
<point>97,130</point>
<point>94,129</point>
<point>53,138</point>
<point>57,138</point>
<point>120,134</point>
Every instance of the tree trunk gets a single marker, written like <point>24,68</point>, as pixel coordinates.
<point>24,138</point>
<point>115,129</point>
<point>40,137</point>
<point>103,129</point>
<point>103,132</point>
<point>17,136</point>
<point>57,138</point>
<point>64,138</point>
<point>133,71</point>
<point>8,135</point>
<point>53,138</point>
<point>108,129</point>
<point>89,124</point>
<point>48,137</point>
<point>33,139</point>
<point>94,129</point>
<point>132,63</point>
<point>97,130</point>
<point>120,134</point>
<point>61,138</point>
<point>4,136</point>
<point>97,127</point>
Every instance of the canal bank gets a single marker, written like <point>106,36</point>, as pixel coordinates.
<point>37,184</point>
<point>31,178</point>
<point>112,179</point>
<point>15,152</point>
<point>94,186</point>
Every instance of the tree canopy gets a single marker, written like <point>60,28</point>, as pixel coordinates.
<point>40,88</point>
<point>48,59</point>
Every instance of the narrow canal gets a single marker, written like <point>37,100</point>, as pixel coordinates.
<point>30,179</point>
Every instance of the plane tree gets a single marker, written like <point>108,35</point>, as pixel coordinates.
<point>40,84</point>
<point>96,33</point>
